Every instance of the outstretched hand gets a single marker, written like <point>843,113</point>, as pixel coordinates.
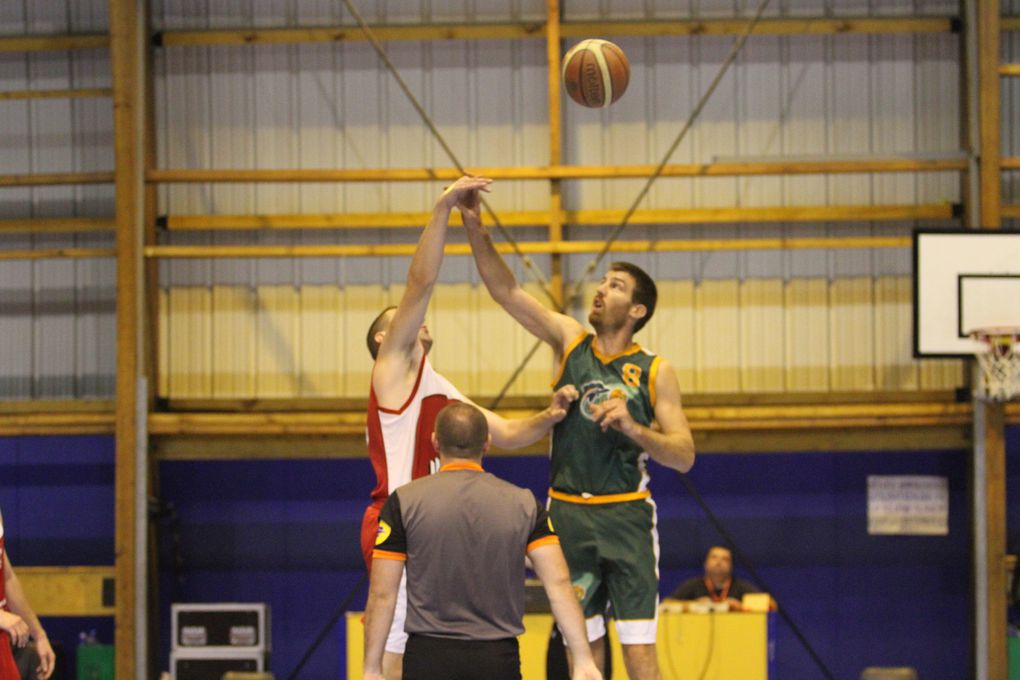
<point>613,413</point>
<point>462,191</point>
<point>561,401</point>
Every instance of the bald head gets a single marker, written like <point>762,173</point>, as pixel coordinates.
<point>461,431</point>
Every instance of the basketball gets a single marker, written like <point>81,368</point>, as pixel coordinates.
<point>595,73</point>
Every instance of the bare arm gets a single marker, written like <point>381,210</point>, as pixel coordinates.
<point>400,348</point>
<point>515,433</point>
<point>673,446</point>
<point>19,606</point>
<point>553,328</point>
<point>551,567</point>
<point>382,600</point>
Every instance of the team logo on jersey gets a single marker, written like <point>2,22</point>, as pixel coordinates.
<point>383,533</point>
<point>549,521</point>
<point>596,392</point>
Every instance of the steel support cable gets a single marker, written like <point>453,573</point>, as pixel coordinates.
<point>529,265</point>
<point>695,112</point>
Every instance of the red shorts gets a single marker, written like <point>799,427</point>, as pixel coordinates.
<point>8,669</point>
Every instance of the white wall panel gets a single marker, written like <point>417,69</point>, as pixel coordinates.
<point>757,321</point>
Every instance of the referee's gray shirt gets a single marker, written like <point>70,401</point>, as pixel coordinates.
<point>464,534</point>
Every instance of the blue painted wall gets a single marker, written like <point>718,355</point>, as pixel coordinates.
<point>56,495</point>
<point>286,532</point>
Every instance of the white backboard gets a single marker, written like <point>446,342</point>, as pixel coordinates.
<point>963,280</point>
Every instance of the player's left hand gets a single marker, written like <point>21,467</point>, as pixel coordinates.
<point>561,401</point>
<point>470,206</point>
<point>47,659</point>
<point>613,413</point>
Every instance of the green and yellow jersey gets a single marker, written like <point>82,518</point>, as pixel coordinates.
<point>586,462</point>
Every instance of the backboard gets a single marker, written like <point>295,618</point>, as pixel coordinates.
<point>963,280</point>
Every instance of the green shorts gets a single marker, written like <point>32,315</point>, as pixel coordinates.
<point>613,553</point>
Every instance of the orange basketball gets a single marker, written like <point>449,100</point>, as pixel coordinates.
<point>595,73</point>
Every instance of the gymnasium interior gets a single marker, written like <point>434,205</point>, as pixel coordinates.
<point>205,203</point>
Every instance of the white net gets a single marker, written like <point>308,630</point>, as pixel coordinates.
<point>1000,363</point>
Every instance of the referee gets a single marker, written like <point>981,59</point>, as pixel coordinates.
<point>463,535</point>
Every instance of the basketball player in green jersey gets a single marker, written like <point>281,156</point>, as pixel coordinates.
<point>629,409</point>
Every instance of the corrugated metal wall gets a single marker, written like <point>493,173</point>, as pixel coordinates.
<point>731,322</point>
<point>57,324</point>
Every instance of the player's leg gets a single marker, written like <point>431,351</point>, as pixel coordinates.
<point>642,662</point>
<point>579,543</point>
<point>629,549</point>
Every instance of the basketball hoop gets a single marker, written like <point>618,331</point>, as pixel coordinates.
<point>1000,362</point>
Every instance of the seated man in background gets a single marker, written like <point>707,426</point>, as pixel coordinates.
<point>718,584</point>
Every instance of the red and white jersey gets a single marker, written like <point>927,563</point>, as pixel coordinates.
<point>3,592</point>
<point>400,441</point>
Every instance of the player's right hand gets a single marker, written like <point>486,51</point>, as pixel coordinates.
<point>15,627</point>
<point>561,402</point>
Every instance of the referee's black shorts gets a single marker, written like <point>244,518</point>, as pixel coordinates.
<point>433,658</point>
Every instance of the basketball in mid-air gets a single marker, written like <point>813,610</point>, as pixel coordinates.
<point>595,73</point>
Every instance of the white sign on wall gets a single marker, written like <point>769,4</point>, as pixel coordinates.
<point>914,505</point>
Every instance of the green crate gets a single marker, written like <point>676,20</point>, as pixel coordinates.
<point>1014,658</point>
<point>95,662</point>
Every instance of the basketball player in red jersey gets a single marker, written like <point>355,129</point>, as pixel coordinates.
<point>18,622</point>
<point>407,393</point>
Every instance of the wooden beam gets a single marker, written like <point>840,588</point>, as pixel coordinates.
<point>42,225</point>
<point>582,218</point>
<point>56,94</point>
<point>886,438</point>
<point>1010,23</point>
<point>771,414</point>
<point>56,178</point>
<point>37,424</point>
<point>1010,162</point>
<point>576,29</point>
<point>988,32</point>
<point>127,36</point>
<point>1010,210</point>
<point>1009,70</point>
<point>802,26</point>
<point>530,247</point>
<point>557,171</point>
<point>58,254</point>
<point>68,591</point>
<point>277,36</point>
<point>555,97</point>
<point>41,43</point>
<point>336,221</point>
<point>989,480</point>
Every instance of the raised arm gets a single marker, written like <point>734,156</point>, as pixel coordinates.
<point>513,433</point>
<point>551,567</point>
<point>672,445</point>
<point>401,341</point>
<point>556,329</point>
